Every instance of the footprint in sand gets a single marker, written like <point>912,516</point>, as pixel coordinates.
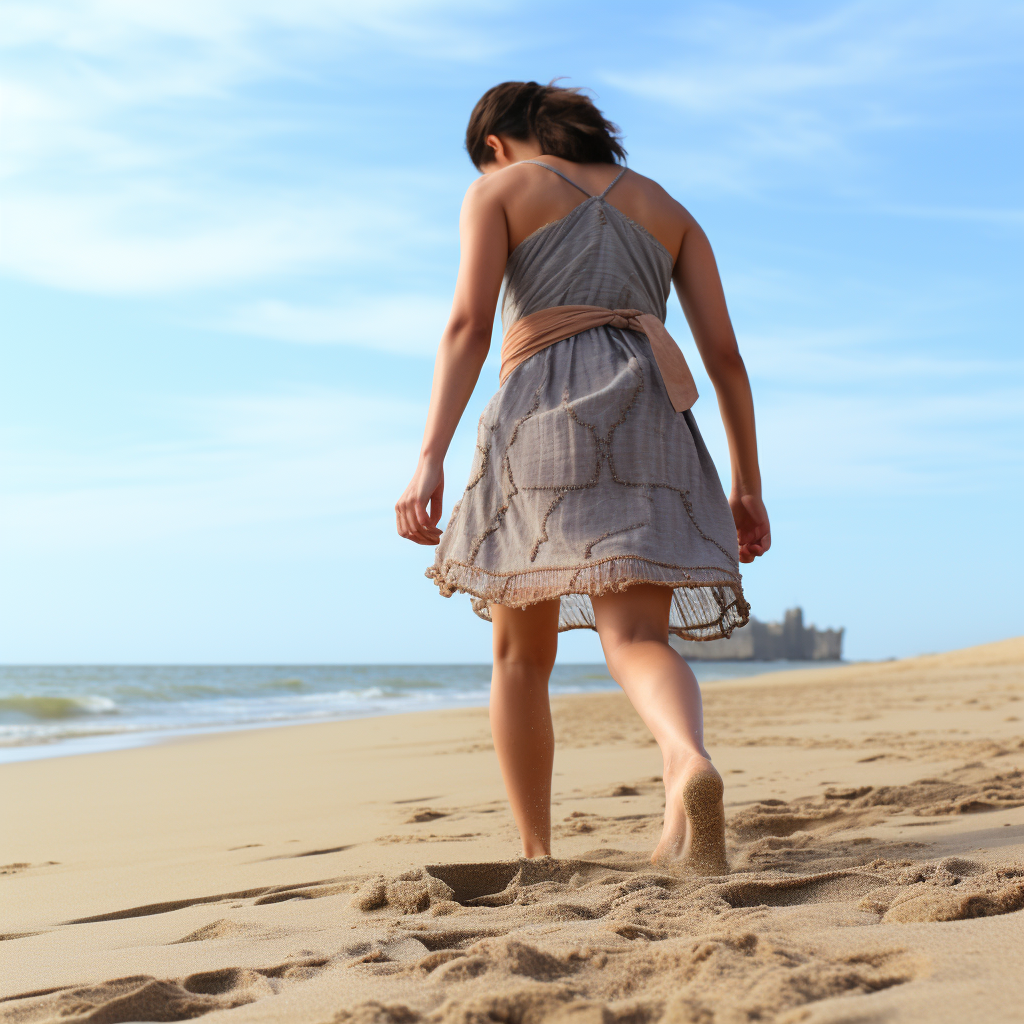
<point>615,928</point>
<point>426,814</point>
<point>146,998</point>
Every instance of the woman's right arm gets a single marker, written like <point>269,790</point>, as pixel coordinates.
<point>699,287</point>
<point>483,235</point>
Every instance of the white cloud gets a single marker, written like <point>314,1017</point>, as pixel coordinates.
<point>855,412</point>
<point>135,158</point>
<point>845,358</point>
<point>408,324</point>
<point>102,26</point>
<point>852,446</point>
<point>148,240</point>
<point>1005,217</point>
<point>234,462</point>
<point>774,88</point>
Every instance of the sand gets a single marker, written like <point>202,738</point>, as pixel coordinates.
<point>366,871</point>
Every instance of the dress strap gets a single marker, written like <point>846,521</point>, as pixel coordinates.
<point>561,175</point>
<point>614,182</point>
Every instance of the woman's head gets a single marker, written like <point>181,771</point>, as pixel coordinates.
<point>564,122</point>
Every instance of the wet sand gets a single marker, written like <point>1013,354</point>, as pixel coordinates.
<point>366,871</point>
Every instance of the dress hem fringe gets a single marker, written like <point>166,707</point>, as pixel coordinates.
<point>707,602</point>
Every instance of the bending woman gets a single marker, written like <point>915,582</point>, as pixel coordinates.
<point>592,500</point>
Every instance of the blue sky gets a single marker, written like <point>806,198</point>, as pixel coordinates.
<point>228,244</point>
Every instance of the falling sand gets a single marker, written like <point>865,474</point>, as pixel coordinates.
<point>365,872</point>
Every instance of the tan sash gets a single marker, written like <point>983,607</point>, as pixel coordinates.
<point>535,332</point>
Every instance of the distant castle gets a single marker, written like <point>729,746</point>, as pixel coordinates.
<point>788,640</point>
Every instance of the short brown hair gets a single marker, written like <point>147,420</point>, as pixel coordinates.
<point>564,121</point>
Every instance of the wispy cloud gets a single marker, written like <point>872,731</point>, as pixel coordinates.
<point>151,240</point>
<point>1006,217</point>
<point>408,324</point>
<point>779,90</point>
<point>103,26</point>
<point>232,462</point>
<point>893,447</point>
<point>861,412</point>
<point>159,239</point>
<point>852,358</point>
<point>139,152</point>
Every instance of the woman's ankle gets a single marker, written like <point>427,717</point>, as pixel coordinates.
<point>682,762</point>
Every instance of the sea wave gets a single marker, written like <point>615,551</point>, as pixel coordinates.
<point>48,708</point>
<point>290,685</point>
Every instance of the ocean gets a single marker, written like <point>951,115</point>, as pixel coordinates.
<point>51,711</point>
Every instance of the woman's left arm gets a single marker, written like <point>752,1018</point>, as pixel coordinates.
<point>483,234</point>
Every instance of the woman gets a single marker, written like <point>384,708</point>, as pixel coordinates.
<point>592,501</point>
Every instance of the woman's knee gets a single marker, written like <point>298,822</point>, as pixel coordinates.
<point>531,654</point>
<point>526,639</point>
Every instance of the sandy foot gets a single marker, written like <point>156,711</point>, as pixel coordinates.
<point>694,837</point>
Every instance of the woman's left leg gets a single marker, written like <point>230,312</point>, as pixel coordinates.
<point>633,626</point>
<point>525,643</point>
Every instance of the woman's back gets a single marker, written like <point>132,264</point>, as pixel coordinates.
<point>593,255</point>
<point>532,197</point>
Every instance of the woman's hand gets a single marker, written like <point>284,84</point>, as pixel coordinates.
<point>415,522</point>
<point>752,529</point>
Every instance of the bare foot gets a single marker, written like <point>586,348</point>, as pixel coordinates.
<point>694,835</point>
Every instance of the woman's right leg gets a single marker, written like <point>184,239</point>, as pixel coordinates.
<point>525,643</point>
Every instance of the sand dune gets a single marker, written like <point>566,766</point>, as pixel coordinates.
<point>364,872</point>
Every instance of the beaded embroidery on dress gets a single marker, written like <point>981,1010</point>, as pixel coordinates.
<point>585,479</point>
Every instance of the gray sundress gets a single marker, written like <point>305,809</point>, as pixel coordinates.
<point>585,479</point>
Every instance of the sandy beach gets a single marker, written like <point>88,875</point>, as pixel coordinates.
<point>366,871</point>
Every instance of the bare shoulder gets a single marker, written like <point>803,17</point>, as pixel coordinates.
<point>480,192</point>
<point>523,197</point>
<point>483,209</point>
<point>646,202</point>
<point>659,201</point>
<point>498,186</point>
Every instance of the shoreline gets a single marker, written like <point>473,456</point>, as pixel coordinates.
<point>78,739</point>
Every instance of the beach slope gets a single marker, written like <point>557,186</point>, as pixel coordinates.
<point>366,871</point>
